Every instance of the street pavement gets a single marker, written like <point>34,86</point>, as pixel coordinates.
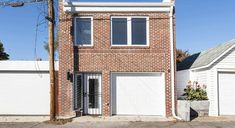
<point>129,124</point>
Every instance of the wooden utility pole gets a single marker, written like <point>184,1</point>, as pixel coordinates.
<point>51,38</point>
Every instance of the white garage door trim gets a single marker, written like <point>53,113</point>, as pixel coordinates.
<point>226,93</point>
<point>24,93</point>
<point>156,93</point>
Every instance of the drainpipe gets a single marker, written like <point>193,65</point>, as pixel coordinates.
<point>172,64</point>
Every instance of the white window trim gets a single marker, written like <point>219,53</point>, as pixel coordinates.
<point>129,32</point>
<point>75,31</point>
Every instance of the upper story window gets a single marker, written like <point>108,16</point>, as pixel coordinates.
<point>129,31</point>
<point>84,31</point>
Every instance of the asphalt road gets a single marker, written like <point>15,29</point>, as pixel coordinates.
<point>123,125</point>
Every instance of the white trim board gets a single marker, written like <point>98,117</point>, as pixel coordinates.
<point>117,6</point>
<point>117,9</point>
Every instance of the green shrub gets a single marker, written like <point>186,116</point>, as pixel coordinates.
<point>195,92</point>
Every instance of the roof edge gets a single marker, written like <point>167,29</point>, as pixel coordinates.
<point>15,65</point>
<point>208,65</point>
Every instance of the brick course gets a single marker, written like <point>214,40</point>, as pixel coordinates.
<point>104,58</point>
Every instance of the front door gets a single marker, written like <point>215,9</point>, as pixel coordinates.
<point>92,94</point>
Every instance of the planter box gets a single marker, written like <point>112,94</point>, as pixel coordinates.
<point>199,108</point>
<point>183,109</point>
<point>189,110</point>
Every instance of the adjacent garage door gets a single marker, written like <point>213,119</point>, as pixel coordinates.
<point>227,93</point>
<point>138,94</point>
<point>24,93</point>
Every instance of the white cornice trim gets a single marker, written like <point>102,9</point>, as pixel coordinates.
<point>117,6</point>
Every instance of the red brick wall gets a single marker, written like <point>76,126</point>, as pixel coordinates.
<point>66,63</point>
<point>106,59</point>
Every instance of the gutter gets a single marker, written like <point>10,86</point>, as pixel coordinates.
<point>172,65</point>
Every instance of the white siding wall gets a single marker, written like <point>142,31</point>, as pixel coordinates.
<point>227,61</point>
<point>227,64</point>
<point>182,78</point>
<point>199,76</point>
<point>202,77</point>
<point>209,77</point>
<point>24,87</point>
<point>212,92</point>
<point>24,93</point>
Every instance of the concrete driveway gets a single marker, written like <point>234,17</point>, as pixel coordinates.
<point>194,124</point>
<point>121,122</point>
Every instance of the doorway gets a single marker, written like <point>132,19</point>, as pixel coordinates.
<point>91,93</point>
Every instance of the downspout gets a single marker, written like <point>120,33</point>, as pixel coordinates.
<point>172,64</point>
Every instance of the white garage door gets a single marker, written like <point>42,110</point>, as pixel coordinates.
<point>227,93</point>
<point>24,93</point>
<point>138,94</point>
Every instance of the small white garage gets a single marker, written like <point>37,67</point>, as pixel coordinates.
<point>215,68</point>
<point>138,94</point>
<point>24,88</point>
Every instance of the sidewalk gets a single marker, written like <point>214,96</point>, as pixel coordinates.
<point>215,119</point>
<point>123,119</point>
<point>115,119</point>
<point>193,124</point>
<point>24,118</point>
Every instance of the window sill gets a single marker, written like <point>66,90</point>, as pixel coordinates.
<point>130,47</point>
<point>84,46</point>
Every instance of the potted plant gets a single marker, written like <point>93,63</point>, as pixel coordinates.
<point>194,102</point>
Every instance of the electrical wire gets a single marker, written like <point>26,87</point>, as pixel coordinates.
<point>37,67</point>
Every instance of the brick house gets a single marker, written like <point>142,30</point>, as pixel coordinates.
<point>116,58</point>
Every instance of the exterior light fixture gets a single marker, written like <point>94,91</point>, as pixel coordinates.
<point>69,76</point>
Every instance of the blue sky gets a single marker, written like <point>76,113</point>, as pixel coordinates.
<point>201,24</point>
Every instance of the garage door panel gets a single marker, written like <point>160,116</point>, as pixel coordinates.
<point>24,93</point>
<point>227,93</point>
<point>138,94</point>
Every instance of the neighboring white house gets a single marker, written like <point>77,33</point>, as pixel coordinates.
<point>215,68</point>
<point>24,88</point>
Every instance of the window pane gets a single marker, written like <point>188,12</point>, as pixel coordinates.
<point>78,93</point>
<point>119,31</point>
<point>93,93</point>
<point>83,31</point>
<point>139,31</point>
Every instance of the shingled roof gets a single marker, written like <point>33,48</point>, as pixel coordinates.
<point>206,57</point>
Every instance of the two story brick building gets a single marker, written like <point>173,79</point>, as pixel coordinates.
<point>116,58</point>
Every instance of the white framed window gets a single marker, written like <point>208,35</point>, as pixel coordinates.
<point>129,31</point>
<point>83,30</point>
